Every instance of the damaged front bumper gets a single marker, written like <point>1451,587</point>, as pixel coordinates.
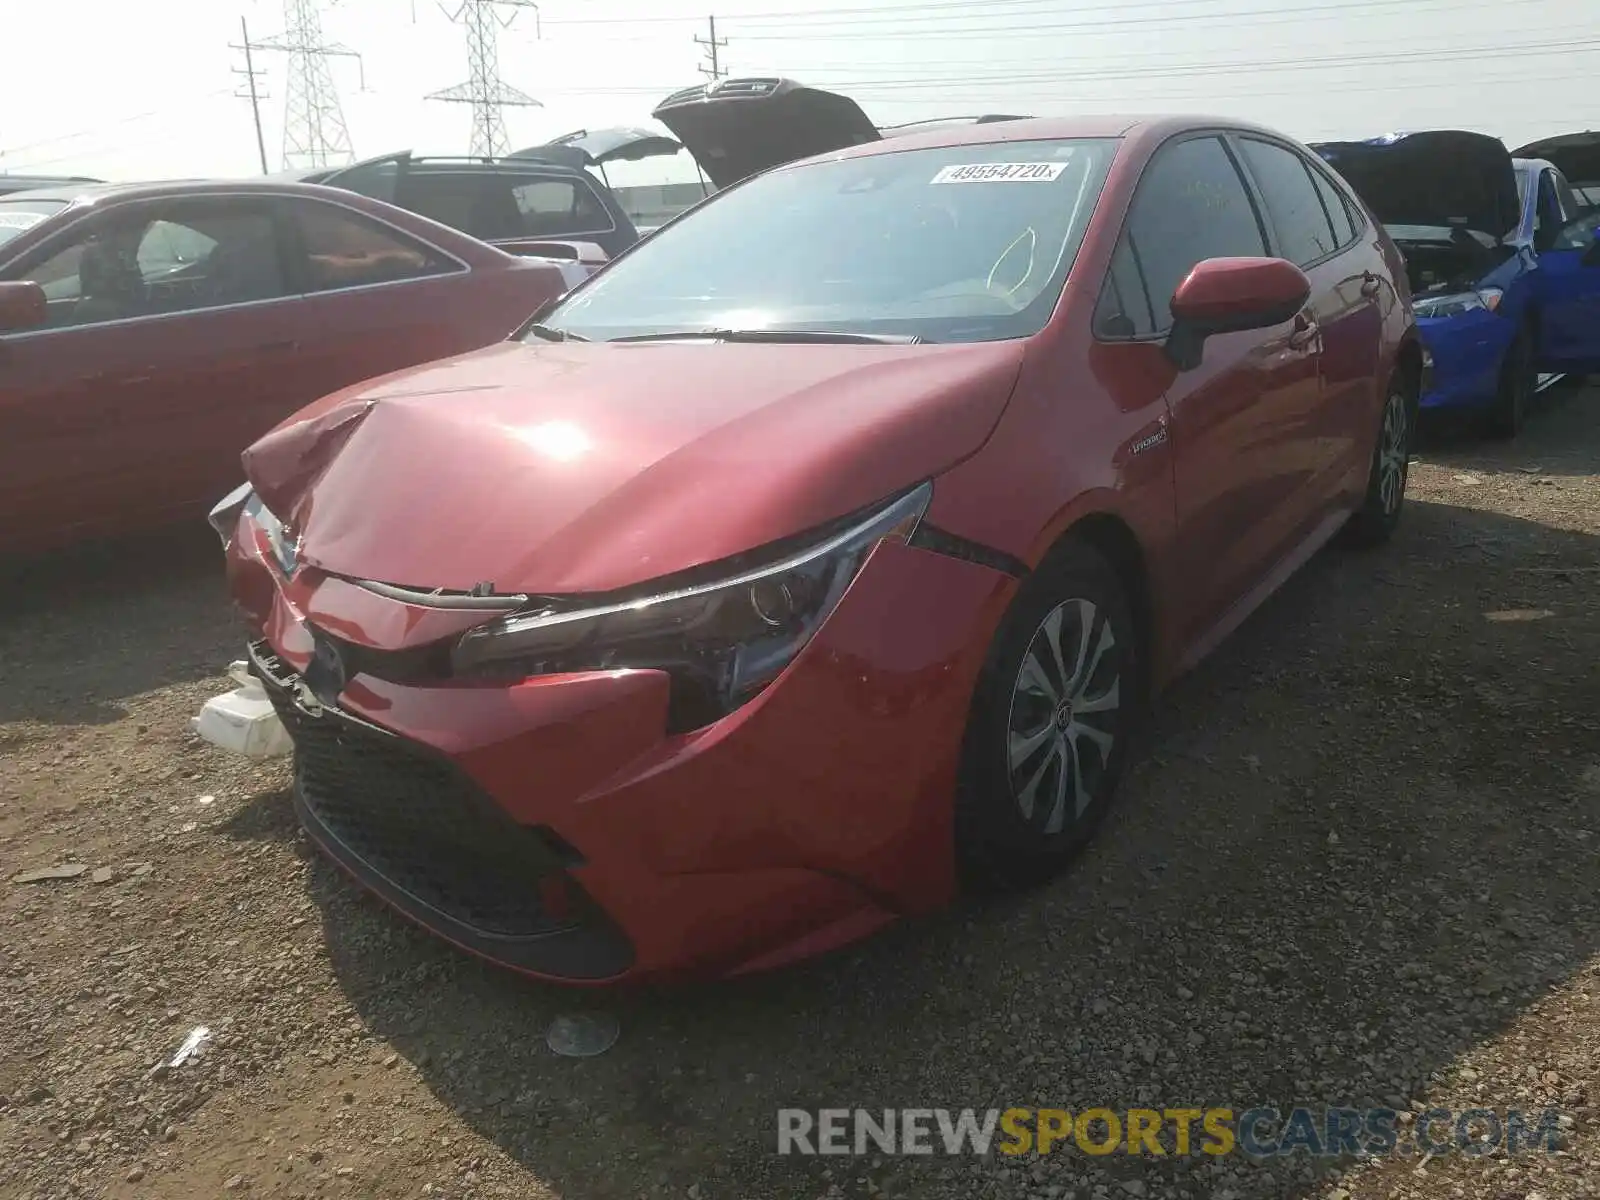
<point>556,824</point>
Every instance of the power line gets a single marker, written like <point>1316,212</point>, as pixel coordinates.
<point>102,126</point>
<point>253,94</point>
<point>714,70</point>
<point>1465,54</point>
<point>857,30</point>
<point>1066,73</point>
<point>788,17</point>
<point>799,23</point>
<point>484,89</point>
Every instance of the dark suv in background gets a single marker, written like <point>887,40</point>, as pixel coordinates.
<point>521,202</point>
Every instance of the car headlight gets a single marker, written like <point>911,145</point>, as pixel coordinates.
<point>1456,303</point>
<point>721,642</point>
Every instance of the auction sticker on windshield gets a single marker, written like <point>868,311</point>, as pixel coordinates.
<point>1029,172</point>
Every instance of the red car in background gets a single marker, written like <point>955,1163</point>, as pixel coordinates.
<point>149,333</point>
<point>826,547</point>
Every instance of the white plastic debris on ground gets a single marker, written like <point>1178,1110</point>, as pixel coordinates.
<point>243,720</point>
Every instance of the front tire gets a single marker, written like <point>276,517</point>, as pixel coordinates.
<point>1518,380</point>
<point>1375,521</point>
<point>1047,737</point>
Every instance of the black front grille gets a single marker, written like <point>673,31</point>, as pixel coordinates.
<point>420,832</point>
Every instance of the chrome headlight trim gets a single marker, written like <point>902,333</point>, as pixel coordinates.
<point>509,636</point>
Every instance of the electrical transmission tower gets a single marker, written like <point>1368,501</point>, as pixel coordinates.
<point>484,89</point>
<point>314,132</point>
<point>712,69</point>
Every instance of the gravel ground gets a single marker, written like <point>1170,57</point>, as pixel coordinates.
<point>1357,866</point>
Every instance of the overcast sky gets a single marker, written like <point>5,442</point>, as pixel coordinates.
<point>119,90</point>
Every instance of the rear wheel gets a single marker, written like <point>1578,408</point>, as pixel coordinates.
<point>1518,380</point>
<point>1385,499</point>
<point>1048,734</point>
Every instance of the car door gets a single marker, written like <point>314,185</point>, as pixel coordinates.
<point>1313,229</point>
<point>167,319</point>
<point>1242,422</point>
<point>1566,285</point>
<point>375,300</point>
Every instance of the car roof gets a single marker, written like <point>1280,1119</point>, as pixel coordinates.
<point>68,193</point>
<point>1151,127</point>
<point>254,185</point>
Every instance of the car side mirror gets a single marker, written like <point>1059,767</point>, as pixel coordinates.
<point>22,306</point>
<point>1227,295</point>
<point>1591,256</point>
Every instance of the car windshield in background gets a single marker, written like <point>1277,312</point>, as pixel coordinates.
<point>1438,233</point>
<point>19,215</point>
<point>953,243</point>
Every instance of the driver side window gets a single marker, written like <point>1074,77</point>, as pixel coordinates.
<point>1190,205</point>
<point>1579,234</point>
<point>1547,215</point>
<point>159,260</point>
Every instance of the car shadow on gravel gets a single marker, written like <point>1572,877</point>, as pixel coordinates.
<point>1555,440</point>
<point>83,630</point>
<point>1362,839</point>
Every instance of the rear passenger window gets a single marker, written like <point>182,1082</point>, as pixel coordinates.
<point>1304,231</point>
<point>1124,309</point>
<point>456,200</point>
<point>1190,205</point>
<point>1344,228</point>
<point>344,249</point>
<point>559,208</point>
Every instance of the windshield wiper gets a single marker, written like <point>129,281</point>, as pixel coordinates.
<point>553,335</point>
<point>794,336</point>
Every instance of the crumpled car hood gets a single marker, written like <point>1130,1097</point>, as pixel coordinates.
<point>578,468</point>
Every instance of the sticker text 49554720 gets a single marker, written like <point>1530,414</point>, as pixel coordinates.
<point>1024,172</point>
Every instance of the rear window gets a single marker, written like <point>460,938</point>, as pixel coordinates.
<point>17,216</point>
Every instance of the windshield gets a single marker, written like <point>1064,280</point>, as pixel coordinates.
<point>1439,233</point>
<point>18,215</point>
<point>954,243</point>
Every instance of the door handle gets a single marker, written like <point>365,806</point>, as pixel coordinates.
<point>280,347</point>
<point>1370,284</point>
<point>1305,332</point>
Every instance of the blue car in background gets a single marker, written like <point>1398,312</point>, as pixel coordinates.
<point>1501,258</point>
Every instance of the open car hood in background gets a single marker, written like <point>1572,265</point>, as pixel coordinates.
<point>738,127</point>
<point>1575,155</point>
<point>596,147</point>
<point>1445,178</point>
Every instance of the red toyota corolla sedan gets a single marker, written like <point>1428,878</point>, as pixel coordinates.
<point>820,552</point>
<point>150,332</point>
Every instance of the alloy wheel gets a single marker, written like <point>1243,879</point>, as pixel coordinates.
<point>1065,706</point>
<point>1393,453</point>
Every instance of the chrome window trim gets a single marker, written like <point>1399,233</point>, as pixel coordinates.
<point>89,210</point>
